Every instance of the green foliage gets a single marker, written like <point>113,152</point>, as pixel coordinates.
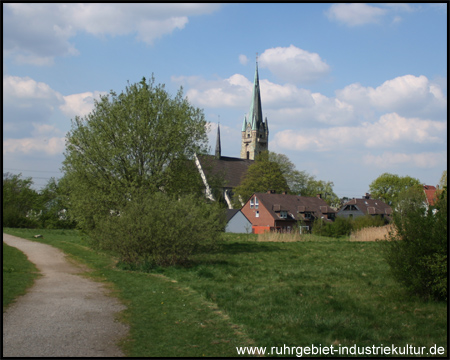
<point>361,222</point>
<point>343,226</point>
<point>339,227</point>
<point>19,199</point>
<point>265,174</point>
<point>387,187</point>
<point>417,252</point>
<point>120,158</point>
<point>159,230</point>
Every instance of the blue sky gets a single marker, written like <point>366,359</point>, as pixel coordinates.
<point>350,90</point>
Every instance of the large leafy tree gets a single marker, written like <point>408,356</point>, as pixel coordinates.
<point>387,187</point>
<point>263,175</point>
<point>140,139</point>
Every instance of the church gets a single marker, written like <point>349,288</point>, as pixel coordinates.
<point>227,172</point>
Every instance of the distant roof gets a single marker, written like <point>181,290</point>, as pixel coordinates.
<point>370,206</point>
<point>230,169</point>
<point>430,193</point>
<point>293,204</point>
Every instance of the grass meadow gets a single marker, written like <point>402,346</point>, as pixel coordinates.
<point>262,293</point>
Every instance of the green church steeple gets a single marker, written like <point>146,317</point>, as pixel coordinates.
<point>255,131</point>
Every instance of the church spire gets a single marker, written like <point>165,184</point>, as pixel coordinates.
<point>255,117</point>
<point>255,131</point>
<point>218,147</point>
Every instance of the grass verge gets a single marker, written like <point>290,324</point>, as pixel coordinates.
<point>18,274</point>
<point>166,318</point>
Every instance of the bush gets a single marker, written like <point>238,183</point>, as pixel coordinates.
<point>417,252</point>
<point>340,227</point>
<point>361,222</point>
<point>156,230</point>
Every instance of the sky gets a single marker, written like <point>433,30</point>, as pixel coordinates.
<point>350,91</point>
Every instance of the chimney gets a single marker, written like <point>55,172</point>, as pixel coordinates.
<point>284,192</point>
<point>271,191</point>
<point>319,196</point>
<point>367,196</point>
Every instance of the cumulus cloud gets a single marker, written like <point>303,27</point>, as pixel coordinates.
<point>355,14</point>
<point>425,160</point>
<point>294,65</point>
<point>80,104</point>
<point>37,33</point>
<point>407,95</point>
<point>45,139</point>
<point>390,131</point>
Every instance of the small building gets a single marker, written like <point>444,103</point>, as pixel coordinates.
<point>237,222</point>
<point>282,212</point>
<point>365,206</point>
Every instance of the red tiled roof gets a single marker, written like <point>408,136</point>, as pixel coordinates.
<point>293,204</point>
<point>430,193</point>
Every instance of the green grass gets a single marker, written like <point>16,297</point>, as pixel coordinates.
<point>18,274</point>
<point>320,291</point>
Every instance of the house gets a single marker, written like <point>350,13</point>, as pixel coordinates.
<point>430,194</point>
<point>237,222</point>
<point>281,212</point>
<point>229,171</point>
<point>365,206</point>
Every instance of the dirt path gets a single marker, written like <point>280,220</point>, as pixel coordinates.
<point>63,314</point>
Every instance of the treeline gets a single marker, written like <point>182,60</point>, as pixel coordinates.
<point>24,207</point>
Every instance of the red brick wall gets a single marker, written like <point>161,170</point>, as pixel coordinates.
<point>264,219</point>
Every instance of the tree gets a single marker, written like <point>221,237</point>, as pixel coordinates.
<point>141,138</point>
<point>263,175</point>
<point>417,252</point>
<point>299,182</point>
<point>19,200</point>
<point>387,187</point>
<point>53,203</point>
<point>131,147</point>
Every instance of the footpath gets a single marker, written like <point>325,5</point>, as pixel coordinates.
<point>62,314</point>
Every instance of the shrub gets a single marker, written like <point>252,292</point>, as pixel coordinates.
<point>156,230</point>
<point>340,227</point>
<point>361,222</point>
<point>417,252</point>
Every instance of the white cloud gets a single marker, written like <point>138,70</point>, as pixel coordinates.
<point>425,160</point>
<point>80,104</point>
<point>25,88</point>
<point>36,33</point>
<point>407,95</point>
<point>50,146</point>
<point>243,59</point>
<point>390,131</point>
<point>293,65</point>
<point>355,14</point>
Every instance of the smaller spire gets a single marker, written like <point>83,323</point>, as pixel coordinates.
<point>218,147</point>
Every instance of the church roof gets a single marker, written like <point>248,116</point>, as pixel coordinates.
<point>229,169</point>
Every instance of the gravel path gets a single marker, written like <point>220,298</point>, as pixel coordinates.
<point>62,314</point>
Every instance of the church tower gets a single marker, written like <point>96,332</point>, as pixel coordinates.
<point>255,131</point>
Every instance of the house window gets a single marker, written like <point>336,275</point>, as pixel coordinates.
<point>256,203</point>
<point>257,214</point>
<point>252,203</point>
<point>307,215</point>
<point>283,214</point>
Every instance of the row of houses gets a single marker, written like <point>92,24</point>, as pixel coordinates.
<point>282,212</point>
